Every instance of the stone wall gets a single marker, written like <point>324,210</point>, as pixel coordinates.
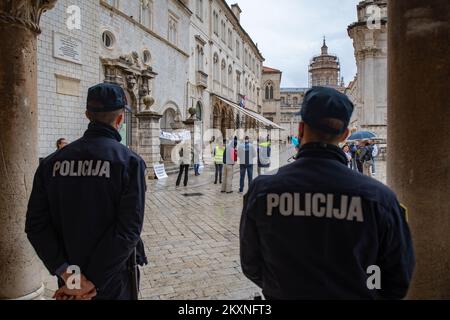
<point>62,115</point>
<point>62,85</point>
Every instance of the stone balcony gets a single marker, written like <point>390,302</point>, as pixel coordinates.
<point>202,79</point>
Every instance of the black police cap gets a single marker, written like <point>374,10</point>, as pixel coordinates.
<point>322,103</point>
<point>106,97</point>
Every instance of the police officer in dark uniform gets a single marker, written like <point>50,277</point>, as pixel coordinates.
<point>317,229</point>
<point>87,205</point>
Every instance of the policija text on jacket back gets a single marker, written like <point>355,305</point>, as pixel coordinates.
<point>87,206</point>
<point>319,230</point>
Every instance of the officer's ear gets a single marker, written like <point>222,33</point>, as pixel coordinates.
<point>120,119</point>
<point>88,115</point>
<point>301,129</point>
<point>345,135</point>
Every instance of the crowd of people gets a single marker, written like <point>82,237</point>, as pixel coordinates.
<point>226,154</point>
<point>361,156</point>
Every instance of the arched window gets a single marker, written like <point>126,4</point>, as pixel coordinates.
<point>167,119</point>
<point>198,111</point>
<point>269,91</point>
<point>147,57</point>
<point>216,70</point>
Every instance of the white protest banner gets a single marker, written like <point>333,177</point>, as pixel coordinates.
<point>176,136</point>
<point>160,171</point>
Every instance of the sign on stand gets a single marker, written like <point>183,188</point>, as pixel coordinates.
<point>160,171</point>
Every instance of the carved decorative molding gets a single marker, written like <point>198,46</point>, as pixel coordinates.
<point>24,12</point>
<point>128,72</point>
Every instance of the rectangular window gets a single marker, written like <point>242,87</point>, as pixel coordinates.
<point>223,31</point>
<point>146,16</point>
<point>216,23</point>
<point>199,9</point>
<point>173,29</point>
<point>237,50</point>
<point>230,39</point>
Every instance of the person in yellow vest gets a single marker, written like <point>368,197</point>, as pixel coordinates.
<point>264,153</point>
<point>218,161</point>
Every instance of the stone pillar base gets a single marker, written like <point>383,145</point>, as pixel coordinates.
<point>149,145</point>
<point>36,295</point>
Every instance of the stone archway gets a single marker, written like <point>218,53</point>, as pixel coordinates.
<point>230,120</point>
<point>223,121</point>
<point>166,125</point>
<point>217,117</point>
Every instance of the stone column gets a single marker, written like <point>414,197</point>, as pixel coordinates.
<point>190,126</point>
<point>20,269</point>
<point>149,146</point>
<point>419,135</point>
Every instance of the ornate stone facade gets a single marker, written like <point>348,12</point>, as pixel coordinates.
<point>369,92</point>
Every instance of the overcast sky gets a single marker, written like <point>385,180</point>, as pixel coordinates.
<point>290,32</point>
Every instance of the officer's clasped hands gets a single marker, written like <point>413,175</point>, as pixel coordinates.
<point>87,290</point>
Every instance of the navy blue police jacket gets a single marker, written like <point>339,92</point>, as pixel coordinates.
<point>87,208</point>
<point>319,230</point>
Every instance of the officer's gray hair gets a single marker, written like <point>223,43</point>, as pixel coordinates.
<point>105,117</point>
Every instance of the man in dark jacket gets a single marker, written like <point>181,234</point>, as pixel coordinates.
<point>87,205</point>
<point>319,230</point>
<point>246,155</point>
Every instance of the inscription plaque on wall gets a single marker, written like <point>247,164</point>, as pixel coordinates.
<point>66,48</point>
<point>67,86</point>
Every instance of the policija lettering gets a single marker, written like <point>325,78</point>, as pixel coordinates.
<point>82,168</point>
<point>318,205</point>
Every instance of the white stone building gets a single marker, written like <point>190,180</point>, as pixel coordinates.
<point>191,58</point>
<point>271,80</point>
<point>142,45</point>
<point>291,102</point>
<point>225,69</point>
<point>369,92</point>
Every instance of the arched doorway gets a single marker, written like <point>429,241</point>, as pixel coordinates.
<point>165,125</point>
<point>216,117</point>
<point>223,122</point>
<point>230,121</point>
<point>198,133</point>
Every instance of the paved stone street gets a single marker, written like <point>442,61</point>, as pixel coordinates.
<point>192,241</point>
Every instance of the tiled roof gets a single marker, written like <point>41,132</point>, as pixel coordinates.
<point>270,70</point>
